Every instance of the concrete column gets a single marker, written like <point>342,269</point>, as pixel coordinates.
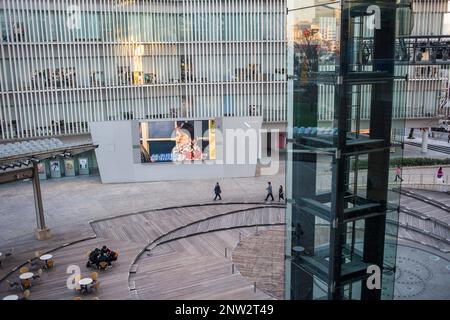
<point>42,232</point>
<point>424,140</point>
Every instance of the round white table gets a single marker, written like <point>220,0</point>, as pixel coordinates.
<point>11,297</point>
<point>46,257</point>
<point>26,276</point>
<point>298,249</point>
<point>85,281</point>
<point>84,284</point>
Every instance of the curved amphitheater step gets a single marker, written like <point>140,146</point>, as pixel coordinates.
<point>220,234</point>
<point>424,219</point>
<point>419,236</point>
<point>425,222</point>
<point>242,218</point>
<point>439,200</point>
<point>148,226</point>
<point>194,268</point>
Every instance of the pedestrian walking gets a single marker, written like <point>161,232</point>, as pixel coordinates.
<point>440,175</point>
<point>217,192</point>
<point>398,174</point>
<point>448,138</point>
<point>269,191</point>
<point>280,194</point>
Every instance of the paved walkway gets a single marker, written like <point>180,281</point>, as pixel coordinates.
<point>416,152</point>
<point>70,203</point>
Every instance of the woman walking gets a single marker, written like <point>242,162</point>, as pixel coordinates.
<point>440,175</point>
<point>280,194</point>
<point>398,174</point>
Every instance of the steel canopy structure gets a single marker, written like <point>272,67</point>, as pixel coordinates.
<point>19,161</point>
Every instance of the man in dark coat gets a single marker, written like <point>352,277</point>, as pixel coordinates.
<point>217,192</point>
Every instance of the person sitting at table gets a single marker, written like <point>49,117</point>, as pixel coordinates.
<point>112,256</point>
<point>103,258</point>
<point>26,283</point>
<point>106,251</point>
<point>94,257</point>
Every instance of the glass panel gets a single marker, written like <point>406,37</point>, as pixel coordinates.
<point>314,48</point>
<point>344,91</point>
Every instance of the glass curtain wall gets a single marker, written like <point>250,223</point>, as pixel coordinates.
<point>342,206</point>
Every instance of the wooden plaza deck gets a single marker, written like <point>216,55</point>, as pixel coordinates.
<point>187,258</point>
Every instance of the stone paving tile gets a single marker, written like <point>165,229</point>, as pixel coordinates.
<point>260,259</point>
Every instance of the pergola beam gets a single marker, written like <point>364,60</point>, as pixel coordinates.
<point>16,175</point>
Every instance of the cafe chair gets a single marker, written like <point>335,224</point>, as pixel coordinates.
<point>77,298</point>
<point>50,263</point>
<point>38,276</point>
<point>94,276</point>
<point>5,255</point>
<point>77,284</point>
<point>95,298</point>
<point>26,295</point>
<point>26,284</point>
<point>34,264</point>
<point>13,284</point>
<point>103,265</point>
<point>95,286</point>
<point>10,253</point>
<point>24,270</point>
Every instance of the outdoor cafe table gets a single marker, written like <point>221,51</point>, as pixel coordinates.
<point>84,283</point>
<point>26,276</point>
<point>26,279</point>
<point>11,297</point>
<point>298,249</point>
<point>46,258</point>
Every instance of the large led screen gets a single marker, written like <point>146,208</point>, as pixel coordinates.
<point>177,141</point>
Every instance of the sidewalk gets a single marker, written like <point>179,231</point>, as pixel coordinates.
<point>411,151</point>
<point>70,203</point>
<point>431,141</point>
